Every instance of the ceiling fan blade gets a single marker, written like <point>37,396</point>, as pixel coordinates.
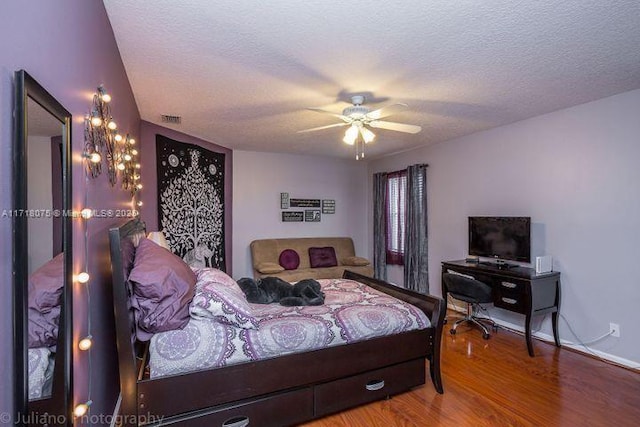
<point>340,116</point>
<point>323,127</point>
<point>399,127</point>
<point>386,111</point>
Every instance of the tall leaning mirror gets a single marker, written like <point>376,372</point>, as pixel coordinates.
<point>42,277</point>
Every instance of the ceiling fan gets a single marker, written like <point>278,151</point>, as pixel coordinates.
<point>358,117</point>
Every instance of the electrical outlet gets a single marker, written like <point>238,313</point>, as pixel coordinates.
<point>614,330</point>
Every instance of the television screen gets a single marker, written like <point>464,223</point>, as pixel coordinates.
<point>502,237</point>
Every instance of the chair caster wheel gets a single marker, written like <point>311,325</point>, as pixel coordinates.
<point>452,331</point>
<point>486,336</point>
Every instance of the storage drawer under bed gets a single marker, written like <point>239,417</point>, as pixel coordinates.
<point>283,409</point>
<point>374,385</point>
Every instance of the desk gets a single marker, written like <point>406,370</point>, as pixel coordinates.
<point>518,289</point>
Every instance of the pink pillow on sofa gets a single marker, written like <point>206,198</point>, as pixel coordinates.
<point>289,259</point>
<point>322,257</point>
<point>163,287</point>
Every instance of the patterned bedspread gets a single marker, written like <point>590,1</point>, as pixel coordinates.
<point>352,312</point>
<point>40,372</point>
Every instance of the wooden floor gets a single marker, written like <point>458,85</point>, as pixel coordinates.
<point>495,383</point>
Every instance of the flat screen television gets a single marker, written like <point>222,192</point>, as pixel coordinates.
<point>501,237</point>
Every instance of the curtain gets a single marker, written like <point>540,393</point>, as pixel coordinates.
<point>416,264</point>
<point>379,225</point>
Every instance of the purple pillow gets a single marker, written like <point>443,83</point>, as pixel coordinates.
<point>45,293</point>
<point>45,284</point>
<point>322,257</point>
<point>163,287</point>
<point>289,259</point>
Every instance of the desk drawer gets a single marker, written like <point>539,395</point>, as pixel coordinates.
<point>511,295</point>
<point>347,392</point>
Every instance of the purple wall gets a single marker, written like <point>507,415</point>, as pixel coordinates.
<point>149,197</point>
<point>69,48</point>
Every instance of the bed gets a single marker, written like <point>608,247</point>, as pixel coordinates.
<point>270,389</point>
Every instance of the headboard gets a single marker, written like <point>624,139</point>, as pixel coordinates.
<point>123,241</point>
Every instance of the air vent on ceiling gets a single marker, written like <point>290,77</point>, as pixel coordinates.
<point>176,120</point>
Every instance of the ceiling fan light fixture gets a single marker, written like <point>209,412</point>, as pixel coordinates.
<point>367,135</point>
<point>359,118</point>
<point>351,135</point>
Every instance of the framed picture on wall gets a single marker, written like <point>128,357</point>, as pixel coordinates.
<point>305,203</point>
<point>284,200</point>
<point>328,206</point>
<point>312,215</point>
<point>292,216</point>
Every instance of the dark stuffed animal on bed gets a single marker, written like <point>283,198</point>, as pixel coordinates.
<point>274,289</point>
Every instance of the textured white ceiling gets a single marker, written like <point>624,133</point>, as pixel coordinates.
<point>241,73</point>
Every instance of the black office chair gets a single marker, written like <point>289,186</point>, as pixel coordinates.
<point>473,292</point>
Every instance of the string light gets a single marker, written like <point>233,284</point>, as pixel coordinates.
<point>82,277</point>
<point>86,213</point>
<point>102,141</point>
<point>93,157</point>
<point>81,409</point>
<point>85,343</point>
<point>96,121</point>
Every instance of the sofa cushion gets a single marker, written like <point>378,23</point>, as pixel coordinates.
<point>269,268</point>
<point>322,257</point>
<point>289,259</point>
<point>269,250</point>
<point>355,261</point>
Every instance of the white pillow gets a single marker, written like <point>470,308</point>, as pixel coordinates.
<point>158,238</point>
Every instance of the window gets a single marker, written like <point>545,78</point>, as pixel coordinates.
<point>395,213</point>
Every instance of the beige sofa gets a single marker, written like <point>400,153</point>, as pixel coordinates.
<point>265,256</point>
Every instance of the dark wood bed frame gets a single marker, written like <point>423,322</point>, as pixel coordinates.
<point>280,391</point>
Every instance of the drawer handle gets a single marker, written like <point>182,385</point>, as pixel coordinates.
<point>236,422</point>
<point>509,285</point>
<point>509,300</point>
<point>375,385</point>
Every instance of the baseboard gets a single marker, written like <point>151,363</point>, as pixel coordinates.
<point>588,351</point>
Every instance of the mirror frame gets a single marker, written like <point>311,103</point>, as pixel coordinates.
<point>58,406</point>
